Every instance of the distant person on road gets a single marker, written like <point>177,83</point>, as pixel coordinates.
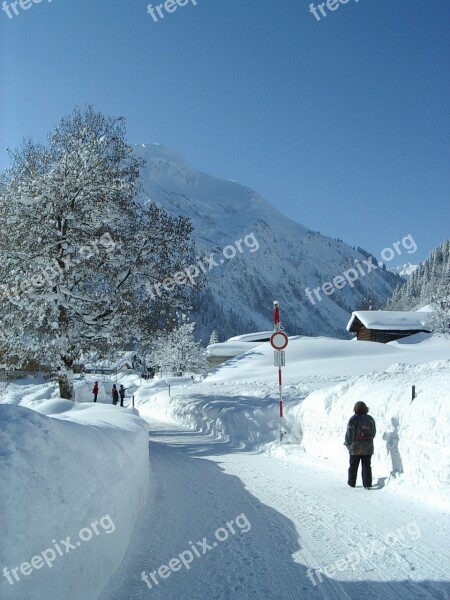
<point>95,391</point>
<point>359,441</point>
<point>115,394</point>
<point>122,394</point>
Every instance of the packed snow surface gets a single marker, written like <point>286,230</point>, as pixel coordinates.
<point>232,513</point>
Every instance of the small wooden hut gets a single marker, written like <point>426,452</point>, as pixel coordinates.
<point>386,326</point>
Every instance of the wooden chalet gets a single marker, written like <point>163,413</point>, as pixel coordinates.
<point>386,326</point>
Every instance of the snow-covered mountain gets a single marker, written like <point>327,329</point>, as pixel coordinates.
<point>277,259</point>
<point>405,271</point>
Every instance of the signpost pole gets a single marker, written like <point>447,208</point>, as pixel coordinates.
<point>276,316</point>
<point>281,404</point>
<point>279,342</point>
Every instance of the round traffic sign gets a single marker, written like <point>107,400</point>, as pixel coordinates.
<point>279,340</point>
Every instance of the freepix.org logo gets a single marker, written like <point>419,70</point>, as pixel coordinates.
<point>58,549</point>
<point>332,5</point>
<point>236,526</point>
<point>190,274</point>
<point>349,276</point>
<point>51,273</point>
<point>159,11</point>
<point>367,553</point>
<point>11,8</point>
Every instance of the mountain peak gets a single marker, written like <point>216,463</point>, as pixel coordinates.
<point>158,151</point>
<point>285,260</point>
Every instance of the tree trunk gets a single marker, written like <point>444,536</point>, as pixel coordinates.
<point>65,381</point>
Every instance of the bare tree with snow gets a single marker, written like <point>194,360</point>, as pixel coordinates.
<point>79,248</point>
<point>177,352</point>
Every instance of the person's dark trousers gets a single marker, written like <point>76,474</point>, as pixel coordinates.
<point>95,397</point>
<point>366,470</point>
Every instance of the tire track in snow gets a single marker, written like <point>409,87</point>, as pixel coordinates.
<point>192,498</point>
<point>332,520</point>
<point>314,520</point>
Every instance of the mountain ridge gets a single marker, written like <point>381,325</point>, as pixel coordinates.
<point>290,257</point>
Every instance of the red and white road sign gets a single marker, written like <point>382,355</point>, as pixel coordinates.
<point>279,340</point>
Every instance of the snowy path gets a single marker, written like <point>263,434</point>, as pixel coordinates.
<point>299,515</point>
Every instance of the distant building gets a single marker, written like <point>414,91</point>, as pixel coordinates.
<point>386,326</point>
<point>217,354</point>
<point>127,361</point>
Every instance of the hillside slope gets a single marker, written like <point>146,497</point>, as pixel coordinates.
<point>277,258</point>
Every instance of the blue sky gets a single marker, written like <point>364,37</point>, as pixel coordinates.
<point>343,124</point>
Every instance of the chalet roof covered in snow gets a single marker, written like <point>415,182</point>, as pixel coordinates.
<point>238,344</point>
<point>385,320</point>
<point>259,336</point>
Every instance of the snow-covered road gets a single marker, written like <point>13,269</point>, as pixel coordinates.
<point>249,526</point>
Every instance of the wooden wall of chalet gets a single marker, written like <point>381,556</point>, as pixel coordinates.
<point>374,335</point>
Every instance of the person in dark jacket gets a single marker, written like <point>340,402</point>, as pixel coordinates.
<point>95,391</point>
<point>122,394</point>
<point>115,394</point>
<point>361,430</point>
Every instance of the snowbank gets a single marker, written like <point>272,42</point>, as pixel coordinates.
<point>246,415</point>
<point>68,469</point>
<point>413,437</point>
<point>81,472</point>
<point>327,357</point>
<point>238,402</point>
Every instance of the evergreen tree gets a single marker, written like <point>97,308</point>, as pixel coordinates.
<point>427,285</point>
<point>440,317</point>
<point>214,337</point>
<point>440,303</point>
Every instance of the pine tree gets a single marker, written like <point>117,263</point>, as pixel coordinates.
<point>81,250</point>
<point>440,317</point>
<point>427,284</point>
<point>440,300</point>
<point>214,337</point>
